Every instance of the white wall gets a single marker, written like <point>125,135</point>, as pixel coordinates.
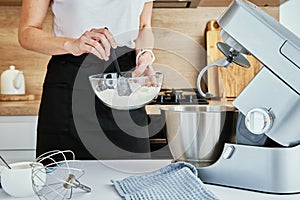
<point>290,15</point>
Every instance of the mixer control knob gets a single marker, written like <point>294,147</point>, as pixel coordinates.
<point>259,120</point>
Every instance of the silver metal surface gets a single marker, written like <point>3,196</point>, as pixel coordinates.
<point>197,134</point>
<point>275,88</point>
<point>62,173</point>
<point>233,43</point>
<point>277,85</point>
<point>269,92</point>
<point>222,62</point>
<point>233,55</point>
<point>272,170</point>
<point>264,38</point>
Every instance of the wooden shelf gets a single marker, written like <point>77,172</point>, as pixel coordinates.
<point>10,2</point>
<point>227,2</point>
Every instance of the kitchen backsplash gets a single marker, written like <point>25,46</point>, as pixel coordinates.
<point>179,45</point>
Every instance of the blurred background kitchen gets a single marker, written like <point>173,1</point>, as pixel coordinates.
<point>18,118</point>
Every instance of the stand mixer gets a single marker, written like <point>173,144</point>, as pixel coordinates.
<point>269,106</point>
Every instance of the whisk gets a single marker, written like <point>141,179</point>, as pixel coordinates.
<point>62,174</point>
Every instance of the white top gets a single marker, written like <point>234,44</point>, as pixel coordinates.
<point>98,175</point>
<point>73,17</point>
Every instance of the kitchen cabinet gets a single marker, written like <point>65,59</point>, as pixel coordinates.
<point>18,137</point>
<point>227,2</point>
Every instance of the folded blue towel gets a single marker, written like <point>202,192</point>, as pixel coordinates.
<point>176,181</point>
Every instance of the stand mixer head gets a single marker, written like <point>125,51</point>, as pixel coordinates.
<point>271,101</point>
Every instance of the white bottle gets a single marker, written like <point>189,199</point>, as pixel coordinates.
<point>12,81</point>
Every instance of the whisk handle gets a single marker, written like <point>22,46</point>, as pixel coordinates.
<point>84,187</point>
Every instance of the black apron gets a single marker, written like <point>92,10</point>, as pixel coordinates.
<point>71,117</point>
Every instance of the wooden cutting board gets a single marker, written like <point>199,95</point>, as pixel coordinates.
<point>15,97</point>
<point>226,82</point>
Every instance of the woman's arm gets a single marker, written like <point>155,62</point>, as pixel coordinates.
<point>145,40</point>
<point>32,37</point>
<point>145,37</point>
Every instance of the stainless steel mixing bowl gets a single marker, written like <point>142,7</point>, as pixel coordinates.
<point>197,134</point>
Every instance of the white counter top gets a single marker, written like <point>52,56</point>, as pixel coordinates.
<point>99,173</point>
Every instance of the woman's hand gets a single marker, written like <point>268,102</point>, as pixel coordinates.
<point>144,65</point>
<point>96,41</point>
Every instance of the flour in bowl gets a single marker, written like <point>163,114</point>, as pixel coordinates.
<point>137,99</point>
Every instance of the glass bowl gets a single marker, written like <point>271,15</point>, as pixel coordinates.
<point>143,89</point>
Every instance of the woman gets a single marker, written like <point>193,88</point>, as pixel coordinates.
<point>84,34</point>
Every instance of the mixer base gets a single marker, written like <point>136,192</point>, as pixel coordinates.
<point>264,169</point>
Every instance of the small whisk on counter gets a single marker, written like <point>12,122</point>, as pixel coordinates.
<point>62,175</point>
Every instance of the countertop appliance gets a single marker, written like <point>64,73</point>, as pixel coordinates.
<point>269,106</point>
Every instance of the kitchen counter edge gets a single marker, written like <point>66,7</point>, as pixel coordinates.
<point>31,108</point>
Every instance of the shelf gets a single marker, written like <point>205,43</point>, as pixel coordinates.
<point>10,2</point>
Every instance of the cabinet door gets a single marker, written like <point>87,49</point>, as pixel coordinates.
<point>18,132</point>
